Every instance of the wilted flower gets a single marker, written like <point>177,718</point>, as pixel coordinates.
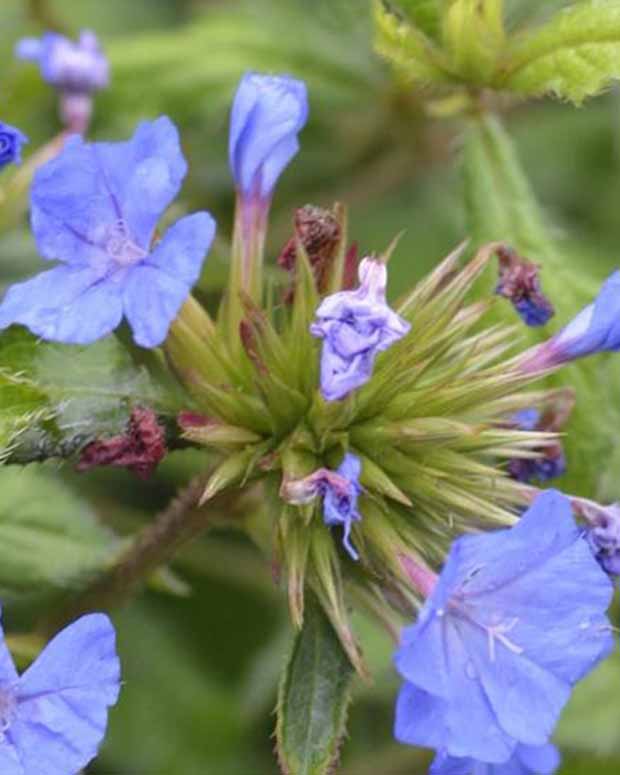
<point>355,326</point>
<point>595,329</point>
<point>526,760</point>
<point>80,67</point>
<point>11,141</point>
<point>486,669</point>
<point>550,462</point>
<point>268,112</point>
<point>54,716</point>
<point>519,282</point>
<point>95,208</point>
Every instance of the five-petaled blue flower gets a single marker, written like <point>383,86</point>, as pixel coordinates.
<point>54,716</point>
<point>11,141</point>
<point>267,114</point>
<point>95,208</point>
<point>340,496</point>
<point>515,619</point>
<point>526,760</point>
<point>355,326</point>
<point>79,67</point>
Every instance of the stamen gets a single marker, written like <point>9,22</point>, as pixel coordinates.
<point>498,632</point>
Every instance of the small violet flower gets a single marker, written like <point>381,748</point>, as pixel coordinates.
<point>95,208</point>
<point>515,619</point>
<point>526,760</point>
<point>355,326</point>
<point>519,282</point>
<point>339,489</point>
<point>340,499</point>
<point>53,717</point>
<point>11,141</point>
<point>80,67</point>
<point>268,112</point>
<point>595,329</point>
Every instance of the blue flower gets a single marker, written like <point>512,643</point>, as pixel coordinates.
<point>526,760</point>
<point>95,208</point>
<point>519,282</point>
<point>54,716</point>
<point>74,67</point>
<point>551,462</point>
<point>340,496</point>
<point>11,141</point>
<point>268,112</point>
<point>603,534</point>
<point>595,329</point>
<point>355,326</point>
<point>515,619</point>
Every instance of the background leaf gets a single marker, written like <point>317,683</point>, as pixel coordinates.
<point>573,56</point>
<point>50,540</point>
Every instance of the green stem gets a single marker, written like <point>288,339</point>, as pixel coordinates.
<point>180,522</point>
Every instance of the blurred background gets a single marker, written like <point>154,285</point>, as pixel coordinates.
<point>201,660</point>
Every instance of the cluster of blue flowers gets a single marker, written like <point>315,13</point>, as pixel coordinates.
<point>486,673</point>
<point>54,716</point>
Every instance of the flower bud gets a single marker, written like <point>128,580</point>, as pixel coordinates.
<point>267,114</point>
<point>519,282</point>
<point>11,141</point>
<point>80,68</point>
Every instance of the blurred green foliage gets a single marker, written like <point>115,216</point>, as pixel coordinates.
<point>201,671</point>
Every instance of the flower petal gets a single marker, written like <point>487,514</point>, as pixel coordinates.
<point>184,246</point>
<point>65,304</point>
<point>152,300</point>
<point>64,698</point>
<point>80,197</point>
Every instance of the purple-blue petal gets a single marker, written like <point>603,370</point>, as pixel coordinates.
<point>183,248</point>
<point>596,328</point>
<point>519,616</point>
<point>151,301</point>
<point>526,760</point>
<point>63,699</point>
<point>66,304</point>
<point>78,67</point>
<point>11,141</point>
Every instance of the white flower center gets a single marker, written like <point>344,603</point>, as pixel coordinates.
<point>120,246</point>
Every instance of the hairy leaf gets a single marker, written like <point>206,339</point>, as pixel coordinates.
<point>573,56</point>
<point>55,398</point>
<point>313,698</point>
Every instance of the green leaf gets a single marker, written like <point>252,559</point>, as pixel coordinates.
<point>55,398</point>
<point>313,698</point>
<point>49,537</point>
<point>574,56</point>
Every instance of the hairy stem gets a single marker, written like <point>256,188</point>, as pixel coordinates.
<point>180,522</point>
